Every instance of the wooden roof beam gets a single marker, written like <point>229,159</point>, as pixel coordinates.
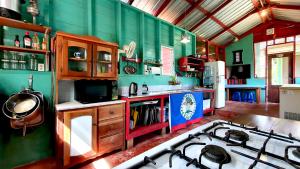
<point>188,11</point>
<point>256,4</point>
<point>209,15</point>
<point>130,2</point>
<point>295,7</point>
<point>233,24</point>
<point>161,8</point>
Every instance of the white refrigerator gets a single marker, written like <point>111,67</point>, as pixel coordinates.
<point>215,72</point>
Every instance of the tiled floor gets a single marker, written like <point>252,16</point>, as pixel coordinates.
<point>231,111</point>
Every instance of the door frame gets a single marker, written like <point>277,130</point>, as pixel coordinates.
<point>268,70</point>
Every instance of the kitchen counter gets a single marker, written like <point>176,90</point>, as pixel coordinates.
<point>77,105</point>
<point>167,92</point>
<point>245,86</point>
<point>291,86</point>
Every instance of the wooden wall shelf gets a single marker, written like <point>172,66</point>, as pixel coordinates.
<point>23,25</point>
<point>124,58</point>
<point>27,50</point>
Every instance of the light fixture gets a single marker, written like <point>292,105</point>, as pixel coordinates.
<point>264,13</point>
<point>185,38</point>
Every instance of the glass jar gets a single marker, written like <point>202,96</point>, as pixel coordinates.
<point>22,62</point>
<point>5,61</point>
<point>32,64</point>
<point>14,61</point>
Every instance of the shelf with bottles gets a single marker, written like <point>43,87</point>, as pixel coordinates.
<point>23,61</point>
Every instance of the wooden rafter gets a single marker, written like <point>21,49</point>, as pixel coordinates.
<point>188,11</point>
<point>296,7</point>
<point>130,2</point>
<point>257,6</point>
<point>234,23</point>
<point>271,9</point>
<point>209,15</point>
<point>161,8</point>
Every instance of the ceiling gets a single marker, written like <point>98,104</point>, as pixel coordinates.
<point>220,21</point>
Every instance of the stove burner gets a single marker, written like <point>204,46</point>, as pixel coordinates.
<point>237,135</point>
<point>216,154</point>
<point>297,152</point>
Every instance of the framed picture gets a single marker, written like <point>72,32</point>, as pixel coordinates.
<point>238,57</point>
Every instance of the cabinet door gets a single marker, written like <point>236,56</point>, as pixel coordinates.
<point>80,135</point>
<point>104,61</point>
<point>76,58</point>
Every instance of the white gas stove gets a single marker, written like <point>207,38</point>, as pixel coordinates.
<point>222,145</point>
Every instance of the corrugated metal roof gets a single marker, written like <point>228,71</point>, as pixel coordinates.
<point>209,5</point>
<point>223,38</point>
<point>174,10</point>
<point>191,19</point>
<point>208,29</point>
<point>286,2</point>
<point>230,13</point>
<point>147,5</point>
<point>234,10</point>
<point>287,14</point>
<point>247,24</point>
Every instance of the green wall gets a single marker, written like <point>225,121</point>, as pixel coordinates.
<point>110,20</point>
<point>245,44</point>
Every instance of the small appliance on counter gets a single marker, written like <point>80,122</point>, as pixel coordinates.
<point>145,89</point>
<point>11,8</point>
<point>92,91</point>
<point>133,89</point>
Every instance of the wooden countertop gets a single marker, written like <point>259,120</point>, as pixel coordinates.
<point>267,123</point>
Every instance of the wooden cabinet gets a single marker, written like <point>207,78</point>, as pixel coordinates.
<point>84,57</point>
<point>111,128</point>
<point>86,133</point>
<point>79,135</point>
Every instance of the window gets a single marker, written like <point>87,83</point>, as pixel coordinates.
<point>280,40</point>
<point>167,57</point>
<point>260,59</point>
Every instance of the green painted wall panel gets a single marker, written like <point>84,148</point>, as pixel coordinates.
<point>38,142</point>
<point>245,44</point>
<point>166,34</point>
<point>70,16</point>
<point>105,20</point>
<point>150,38</point>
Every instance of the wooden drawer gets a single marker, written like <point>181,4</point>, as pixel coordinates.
<point>110,127</point>
<point>111,143</point>
<point>110,111</point>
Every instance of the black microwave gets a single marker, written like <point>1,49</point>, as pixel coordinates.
<point>92,91</point>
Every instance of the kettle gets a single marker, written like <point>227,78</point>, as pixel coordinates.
<point>145,89</point>
<point>133,88</point>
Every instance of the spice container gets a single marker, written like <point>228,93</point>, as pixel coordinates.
<point>32,64</point>
<point>5,61</point>
<point>14,61</point>
<point>22,62</point>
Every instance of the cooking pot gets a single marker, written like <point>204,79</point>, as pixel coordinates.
<point>11,8</point>
<point>22,104</point>
<point>15,107</point>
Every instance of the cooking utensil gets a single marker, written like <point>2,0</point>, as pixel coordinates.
<point>11,8</point>
<point>22,104</point>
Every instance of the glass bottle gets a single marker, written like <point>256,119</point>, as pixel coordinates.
<point>36,42</point>
<point>27,41</point>
<point>17,41</point>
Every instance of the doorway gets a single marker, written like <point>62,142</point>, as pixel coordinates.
<point>280,71</point>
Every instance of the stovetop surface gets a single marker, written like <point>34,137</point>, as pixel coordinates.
<point>261,149</point>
